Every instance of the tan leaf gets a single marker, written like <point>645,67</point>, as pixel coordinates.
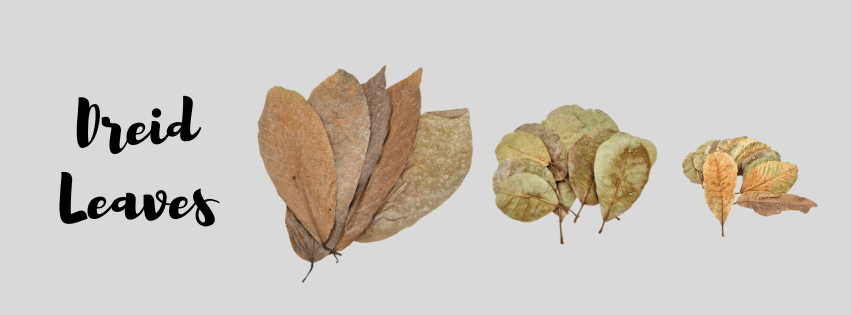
<point>766,203</point>
<point>518,165</point>
<point>772,176</point>
<point>621,170</point>
<point>299,160</point>
<point>526,197</point>
<point>581,163</point>
<point>700,157</point>
<point>756,159</point>
<point>304,245</point>
<point>441,159</point>
<point>719,184</point>
<point>525,145</point>
<point>739,146</point>
<point>341,105</point>
<point>404,120</point>
<point>555,148</point>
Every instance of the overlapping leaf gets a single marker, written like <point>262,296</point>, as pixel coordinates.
<point>526,197</point>
<point>772,176</point>
<point>439,162</point>
<point>518,165</point>
<point>766,203</point>
<point>622,169</point>
<point>525,145</point>
<point>719,185</point>
<point>556,150</point>
<point>581,163</point>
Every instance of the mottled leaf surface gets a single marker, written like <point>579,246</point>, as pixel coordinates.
<point>525,145</point>
<point>519,165</point>
<point>688,169</point>
<point>766,203</point>
<point>378,102</point>
<point>581,163</point>
<point>756,159</point>
<point>299,160</point>
<point>526,197</point>
<point>719,184</point>
<point>439,163</point>
<point>566,194</point>
<point>622,169</point>
<point>772,176</point>
<point>651,150</point>
<point>558,155</point>
<point>405,100</point>
<point>737,147</point>
<point>341,105</point>
<point>749,150</point>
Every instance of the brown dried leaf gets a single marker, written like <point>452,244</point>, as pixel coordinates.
<point>379,117</point>
<point>441,159</point>
<point>405,102</point>
<point>340,103</point>
<point>719,184</point>
<point>581,163</point>
<point>304,245</point>
<point>766,203</point>
<point>555,148</point>
<point>299,160</point>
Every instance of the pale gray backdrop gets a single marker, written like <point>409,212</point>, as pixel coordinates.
<point>673,72</point>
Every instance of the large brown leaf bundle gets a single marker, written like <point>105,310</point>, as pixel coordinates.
<point>358,162</point>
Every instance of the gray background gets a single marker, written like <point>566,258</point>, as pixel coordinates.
<point>673,72</point>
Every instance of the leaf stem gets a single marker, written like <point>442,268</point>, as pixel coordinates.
<point>601,227</point>
<point>583,200</point>
<point>308,272</point>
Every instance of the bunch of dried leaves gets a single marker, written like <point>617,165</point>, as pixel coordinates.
<point>357,162</point>
<point>574,153</point>
<point>717,163</point>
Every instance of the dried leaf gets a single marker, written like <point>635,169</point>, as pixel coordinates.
<point>689,171</point>
<point>299,160</point>
<point>526,197</point>
<point>566,194</point>
<point>555,148</point>
<point>441,159</point>
<point>581,163</point>
<point>404,119</point>
<point>519,165</point>
<point>525,145</point>
<point>772,176</point>
<point>621,169</point>
<point>569,122</point>
<point>751,149</point>
<point>766,203</point>
<point>700,157</point>
<point>378,102</point>
<point>341,105</point>
<point>738,147</point>
<point>651,150</point>
<point>568,129</point>
<point>719,184</point>
<point>756,159</point>
<point>304,245</point>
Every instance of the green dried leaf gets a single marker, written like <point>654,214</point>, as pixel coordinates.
<point>439,163</point>
<point>621,169</point>
<point>526,197</point>
<point>555,148</point>
<point>581,163</point>
<point>772,176</point>
<point>651,150</point>
<point>758,158</point>
<point>566,195</point>
<point>749,150</point>
<point>688,169</point>
<point>519,165</point>
<point>700,157</point>
<point>525,145</point>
